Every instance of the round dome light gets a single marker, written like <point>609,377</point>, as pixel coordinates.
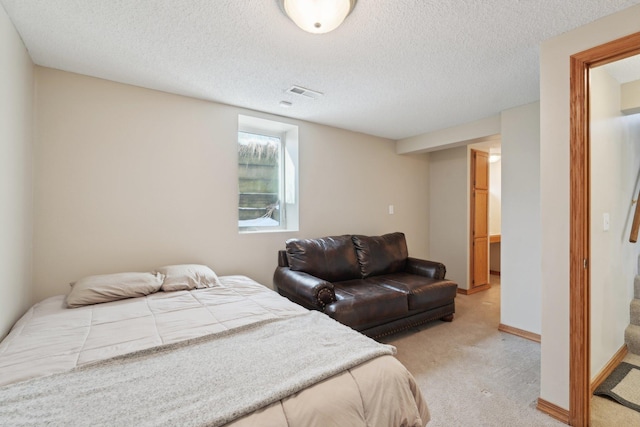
<point>318,16</point>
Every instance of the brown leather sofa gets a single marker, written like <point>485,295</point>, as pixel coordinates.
<point>367,283</point>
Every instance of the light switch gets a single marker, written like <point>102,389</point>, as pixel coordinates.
<point>391,210</point>
<point>605,221</point>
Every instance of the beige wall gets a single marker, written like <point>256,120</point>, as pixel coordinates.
<point>16,208</point>
<point>495,197</point>
<point>129,179</point>
<point>615,162</point>
<point>449,212</point>
<point>630,97</point>
<point>495,212</point>
<point>520,289</point>
<point>554,197</point>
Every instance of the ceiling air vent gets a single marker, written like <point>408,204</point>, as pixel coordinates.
<point>299,90</point>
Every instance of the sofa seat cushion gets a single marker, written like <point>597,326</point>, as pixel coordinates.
<point>361,304</point>
<point>422,292</point>
<point>330,258</point>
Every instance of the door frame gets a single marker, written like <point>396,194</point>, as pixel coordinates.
<point>579,235</point>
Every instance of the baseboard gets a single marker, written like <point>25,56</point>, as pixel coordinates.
<point>519,332</point>
<point>552,410</point>
<point>609,367</point>
<point>474,290</point>
<point>494,272</point>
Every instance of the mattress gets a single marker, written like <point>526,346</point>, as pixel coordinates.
<point>51,338</point>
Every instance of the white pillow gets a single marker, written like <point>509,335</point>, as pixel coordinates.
<point>184,277</point>
<point>112,287</point>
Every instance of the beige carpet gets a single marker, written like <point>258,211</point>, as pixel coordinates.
<point>470,373</point>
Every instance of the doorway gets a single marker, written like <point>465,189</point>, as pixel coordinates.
<point>580,220</point>
<point>485,214</point>
<point>615,162</point>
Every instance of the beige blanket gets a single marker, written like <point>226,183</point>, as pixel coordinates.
<point>225,375</point>
<point>51,339</point>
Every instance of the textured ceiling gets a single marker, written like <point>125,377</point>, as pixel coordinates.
<point>393,69</point>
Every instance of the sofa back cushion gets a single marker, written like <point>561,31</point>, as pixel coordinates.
<point>381,254</point>
<point>330,258</point>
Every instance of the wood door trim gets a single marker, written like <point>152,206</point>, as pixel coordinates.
<point>579,283</point>
<point>579,246</point>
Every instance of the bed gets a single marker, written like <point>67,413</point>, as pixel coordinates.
<point>235,353</point>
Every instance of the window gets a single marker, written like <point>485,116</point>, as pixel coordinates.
<point>267,175</point>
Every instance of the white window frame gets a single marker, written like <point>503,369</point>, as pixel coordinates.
<point>288,191</point>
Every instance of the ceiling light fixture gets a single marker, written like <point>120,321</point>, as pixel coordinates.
<point>318,16</point>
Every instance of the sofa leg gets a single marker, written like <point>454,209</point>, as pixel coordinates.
<point>447,318</point>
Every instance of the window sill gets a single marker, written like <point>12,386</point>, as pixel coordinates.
<point>280,230</point>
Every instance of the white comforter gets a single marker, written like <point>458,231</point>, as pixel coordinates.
<point>50,338</point>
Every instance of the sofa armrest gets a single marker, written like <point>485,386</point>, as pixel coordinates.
<point>307,290</point>
<point>422,267</point>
